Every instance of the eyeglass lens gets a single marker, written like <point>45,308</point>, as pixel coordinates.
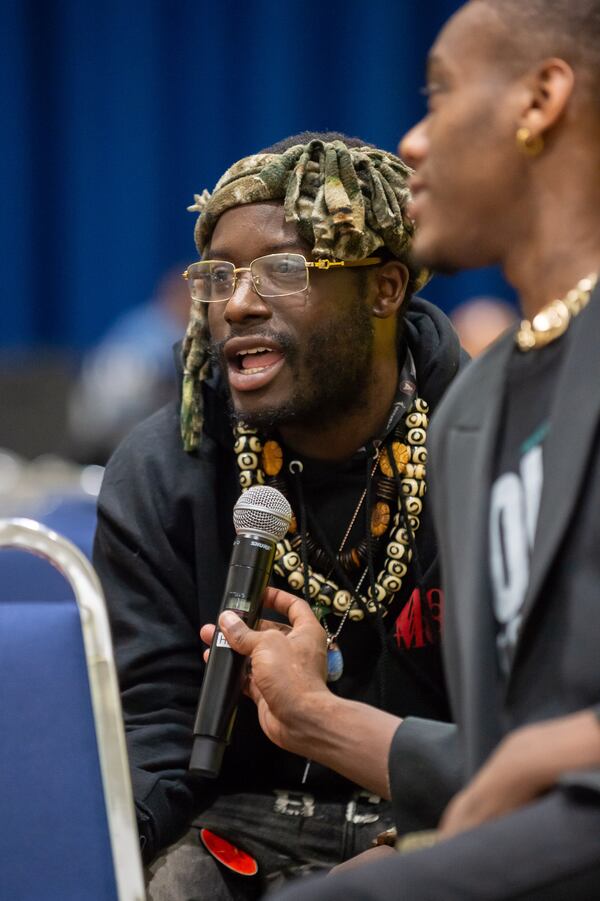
<point>274,275</point>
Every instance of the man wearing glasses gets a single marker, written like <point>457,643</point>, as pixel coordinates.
<point>307,365</point>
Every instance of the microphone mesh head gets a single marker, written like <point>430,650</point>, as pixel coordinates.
<point>264,510</point>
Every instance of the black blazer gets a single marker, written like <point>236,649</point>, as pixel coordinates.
<point>556,668</point>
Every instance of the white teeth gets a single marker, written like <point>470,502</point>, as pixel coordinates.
<point>252,370</point>
<point>254,350</point>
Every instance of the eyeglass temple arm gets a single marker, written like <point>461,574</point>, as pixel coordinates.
<point>329,264</point>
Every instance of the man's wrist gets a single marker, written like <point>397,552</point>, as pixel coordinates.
<point>314,714</point>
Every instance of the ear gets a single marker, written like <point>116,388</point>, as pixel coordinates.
<point>391,282</point>
<point>550,87</point>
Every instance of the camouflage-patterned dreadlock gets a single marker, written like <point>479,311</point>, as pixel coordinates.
<point>346,202</point>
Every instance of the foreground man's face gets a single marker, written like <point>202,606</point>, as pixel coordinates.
<point>288,358</point>
<point>468,171</point>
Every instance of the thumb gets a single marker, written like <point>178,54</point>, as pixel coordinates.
<point>240,637</point>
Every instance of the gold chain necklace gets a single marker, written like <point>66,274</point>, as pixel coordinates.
<point>554,319</point>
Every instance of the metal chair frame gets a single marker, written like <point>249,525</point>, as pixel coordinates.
<point>106,701</point>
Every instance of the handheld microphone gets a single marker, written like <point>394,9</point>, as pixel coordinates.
<point>261,518</point>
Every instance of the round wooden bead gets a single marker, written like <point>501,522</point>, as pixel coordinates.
<point>415,471</point>
<point>254,444</point>
<point>248,460</point>
<point>326,592</point>
<point>279,570</point>
<point>414,487</point>
<point>296,580</point>
<point>395,550</point>
<point>416,420</point>
<point>245,480</point>
<point>379,592</point>
<point>291,561</point>
<point>324,599</point>
<point>372,607</point>
<point>313,586</point>
<point>396,568</point>
<point>419,454</point>
<point>241,444</point>
<point>417,436</point>
<point>421,405</point>
<point>356,614</point>
<point>392,584</point>
<point>399,552</point>
<point>414,505</point>
<point>410,486</point>
<point>342,600</point>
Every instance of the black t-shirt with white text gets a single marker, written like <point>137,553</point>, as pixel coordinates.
<point>517,485</point>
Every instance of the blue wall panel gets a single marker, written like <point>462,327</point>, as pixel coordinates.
<point>115,113</point>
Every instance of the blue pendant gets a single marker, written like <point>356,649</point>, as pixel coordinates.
<point>335,662</point>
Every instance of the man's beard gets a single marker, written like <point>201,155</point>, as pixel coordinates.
<point>331,377</point>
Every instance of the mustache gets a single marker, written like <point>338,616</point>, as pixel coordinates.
<point>286,342</point>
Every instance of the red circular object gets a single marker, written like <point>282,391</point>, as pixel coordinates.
<point>227,854</point>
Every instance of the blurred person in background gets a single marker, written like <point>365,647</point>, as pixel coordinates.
<point>129,374</point>
<point>480,320</point>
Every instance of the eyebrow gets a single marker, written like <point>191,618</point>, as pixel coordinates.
<point>227,253</point>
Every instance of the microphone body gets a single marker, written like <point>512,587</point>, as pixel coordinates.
<point>249,571</point>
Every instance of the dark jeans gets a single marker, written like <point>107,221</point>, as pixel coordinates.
<point>547,851</point>
<point>290,834</point>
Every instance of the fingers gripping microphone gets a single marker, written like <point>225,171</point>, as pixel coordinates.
<point>261,518</point>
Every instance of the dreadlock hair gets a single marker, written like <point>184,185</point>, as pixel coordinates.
<point>569,29</point>
<point>348,201</point>
<point>386,255</point>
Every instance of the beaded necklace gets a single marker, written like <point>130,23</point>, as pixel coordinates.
<point>262,462</point>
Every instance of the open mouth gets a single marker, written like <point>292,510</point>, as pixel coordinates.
<point>252,364</point>
<point>257,359</point>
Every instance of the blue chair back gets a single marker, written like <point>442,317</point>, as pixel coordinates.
<point>67,827</point>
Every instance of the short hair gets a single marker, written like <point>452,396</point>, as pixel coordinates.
<point>305,137</point>
<point>569,29</point>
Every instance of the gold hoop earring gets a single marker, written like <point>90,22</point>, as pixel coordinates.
<point>528,144</point>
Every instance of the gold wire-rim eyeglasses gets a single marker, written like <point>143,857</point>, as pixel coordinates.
<point>321,265</point>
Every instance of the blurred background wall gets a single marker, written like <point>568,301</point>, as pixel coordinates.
<point>115,112</point>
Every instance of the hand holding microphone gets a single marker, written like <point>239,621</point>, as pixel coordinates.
<point>289,669</point>
<point>261,518</point>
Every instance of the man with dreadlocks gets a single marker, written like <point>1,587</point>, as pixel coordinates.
<point>307,365</point>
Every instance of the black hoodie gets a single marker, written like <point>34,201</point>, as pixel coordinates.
<point>162,548</point>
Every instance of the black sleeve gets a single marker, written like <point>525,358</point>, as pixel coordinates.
<point>425,771</point>
<point>145,556</point>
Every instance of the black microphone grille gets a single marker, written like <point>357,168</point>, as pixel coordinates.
<point>264,510</point>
